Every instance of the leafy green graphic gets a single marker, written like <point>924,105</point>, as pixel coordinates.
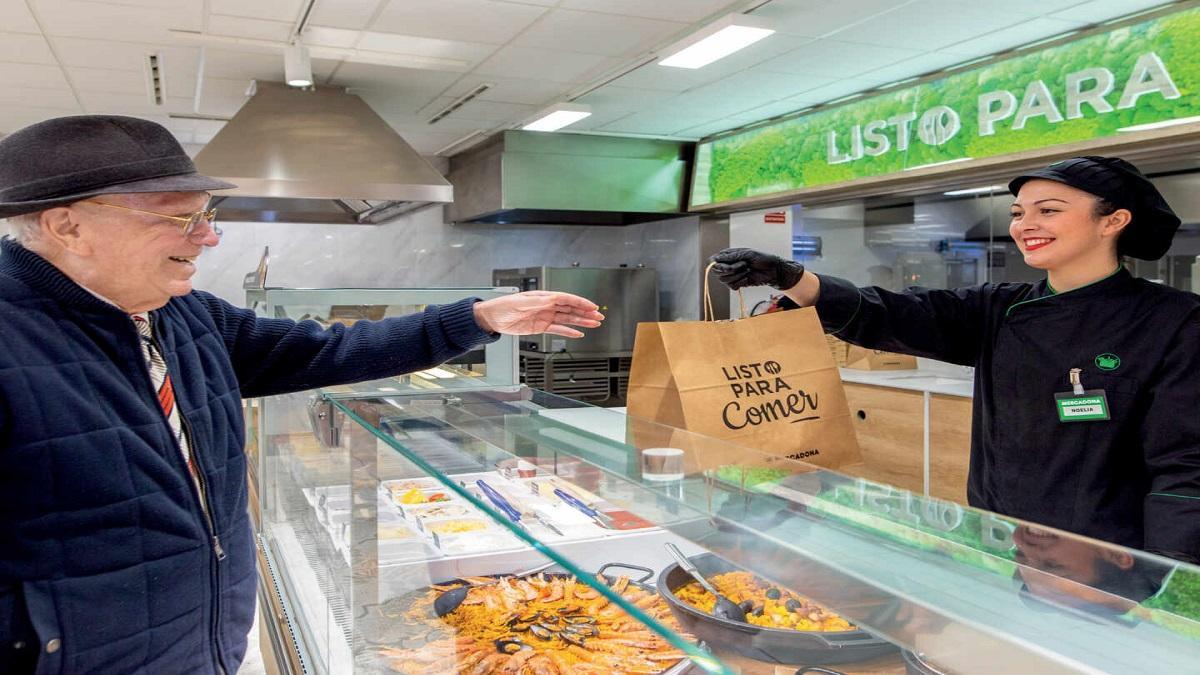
<point>795,153</point>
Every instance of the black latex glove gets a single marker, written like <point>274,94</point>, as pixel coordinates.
<point>741,267</point>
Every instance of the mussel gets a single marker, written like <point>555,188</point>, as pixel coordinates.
<point>522,623</point>
<point>580,619</point>
<point>582,629</point>
<point>572,638</point>
<point>542,631</point>
<point>570,609</point>
<point>510,645</point>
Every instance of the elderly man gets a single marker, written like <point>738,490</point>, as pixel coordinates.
<point>124,539</point>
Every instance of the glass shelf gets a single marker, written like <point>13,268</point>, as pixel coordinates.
<point>877,577</point>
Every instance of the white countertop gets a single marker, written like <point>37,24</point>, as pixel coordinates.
<point>916,380</point>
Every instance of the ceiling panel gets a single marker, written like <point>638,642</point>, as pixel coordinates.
<point>654,76</point>
<point>260,29</point>
<point>927,25</point>
<point>120,55</point>
<point>44,98</point>
<point>917,65</point>
<point>1008,38</point>
<point>30,75</point>
<point>835,90</point>
<point>394,106</point>
<point>13,117</point>
<point>510,89</point>
<point>662,120</point>
<point>468,20</point>
<point>115,103</point>
<point>831,58</point>
<point>222,97</point>
<point>594,33</point>
<point>1099,10</point>
<point>430,142</point>
<point>668,10</point>
<point>103,79</point>
<point>15,18</point>
<point>545,64</point>
<point>738,92</point>
<point>485,111</point>
<point>248,66</point>
<point>129,23</point>
<point>331,37</point>
<point>25,48</point>
<point>816,18</point>
<point>471,52</point>
<point>398,81</point>
<point>278,10</point>
<point>351,14</point>
<point>624,99</point>
<point>599,119</point>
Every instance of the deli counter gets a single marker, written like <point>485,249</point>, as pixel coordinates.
<point>401,498</point>
<point>468,524</point>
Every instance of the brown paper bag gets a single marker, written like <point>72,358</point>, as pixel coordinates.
<point>861,358</point>
<point>768,382</point>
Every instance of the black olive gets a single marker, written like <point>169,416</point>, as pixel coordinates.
<point>758,612</point>
<point>747,606</point>
<point>792,605</point>
<point>773,594</point>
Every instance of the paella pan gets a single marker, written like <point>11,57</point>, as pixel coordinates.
<point>538,624</point>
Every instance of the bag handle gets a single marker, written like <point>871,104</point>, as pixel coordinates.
<point>709,314</point>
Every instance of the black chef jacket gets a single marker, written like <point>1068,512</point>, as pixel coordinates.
<point>1133,479</point>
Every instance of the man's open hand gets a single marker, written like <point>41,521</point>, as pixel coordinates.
<point>534,312</point>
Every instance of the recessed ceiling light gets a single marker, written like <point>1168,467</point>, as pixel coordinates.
<point>558,116</point>
<point>716,41</point>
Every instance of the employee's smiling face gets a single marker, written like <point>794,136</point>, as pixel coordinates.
<point>1056,226</point>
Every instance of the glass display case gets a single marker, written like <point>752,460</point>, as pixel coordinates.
<point>494,528</point>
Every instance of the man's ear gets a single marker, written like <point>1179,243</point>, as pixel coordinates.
<point>59,227</point>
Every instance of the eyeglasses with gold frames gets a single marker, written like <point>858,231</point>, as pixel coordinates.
<point>187,223</point>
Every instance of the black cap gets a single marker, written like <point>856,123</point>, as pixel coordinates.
<point>1149,233</point>
<point>66,159</point>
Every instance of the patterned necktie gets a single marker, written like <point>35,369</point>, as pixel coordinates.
<point>161,380</point>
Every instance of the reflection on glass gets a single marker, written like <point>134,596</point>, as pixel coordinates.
<point>422,492</point>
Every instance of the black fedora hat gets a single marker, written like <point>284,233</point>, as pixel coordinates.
<point>66,159</point>
<point>1149,234</point>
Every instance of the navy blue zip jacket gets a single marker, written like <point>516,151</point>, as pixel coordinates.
<point>1133,479</point>
<point>107,564</point>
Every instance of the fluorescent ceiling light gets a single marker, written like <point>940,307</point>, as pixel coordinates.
<point>933,164</point>
<point>297,68</point>
<point>977,191</point>
<point>558,116</point>
<point>716,41</point>
<point>1160,125</point>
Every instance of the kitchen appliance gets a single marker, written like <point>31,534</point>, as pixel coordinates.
<point>316,155</point>
<point>626,295</point>
<point>536,178</point>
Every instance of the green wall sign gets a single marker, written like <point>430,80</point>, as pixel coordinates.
<point>1088,88</point>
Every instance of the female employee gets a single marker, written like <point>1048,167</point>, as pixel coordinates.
<point>1087,385</point>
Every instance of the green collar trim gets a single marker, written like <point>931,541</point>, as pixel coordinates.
<point>1054,292</point>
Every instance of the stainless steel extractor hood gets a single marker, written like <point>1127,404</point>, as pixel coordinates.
<point>538,178</point>
<point>316,156</point>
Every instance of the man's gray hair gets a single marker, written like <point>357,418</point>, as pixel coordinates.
<point>25,227</point>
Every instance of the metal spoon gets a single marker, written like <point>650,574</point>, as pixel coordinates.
<point>725,608</point>
<point>449,600</point>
